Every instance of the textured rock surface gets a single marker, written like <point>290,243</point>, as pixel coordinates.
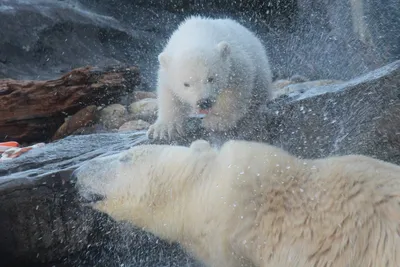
<point>45,225</point>
<point>139,95</point>
<point>113,116</point>
<point>286,87</point>
<point>318,39</point>
<point>134,125</point>
<point>41,220</point>
<point>80,119</point>
<point>145,109</point>
<point>32,111</point>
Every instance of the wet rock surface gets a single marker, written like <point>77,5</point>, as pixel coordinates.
<point>113,116</point>
<point>134,125</point>
<point>32,111</point>
<point>45,224</point>
<point>144,109</point>
<point>77,121</point>
<point>324,40</point>
<point>42,221</point>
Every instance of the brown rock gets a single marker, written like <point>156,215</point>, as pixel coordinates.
<point>145,109</point>
<point>32,111</point>
<point>112,116</point>
<point>135,125</point>
<point>139,95</point>
<point>80,119</point>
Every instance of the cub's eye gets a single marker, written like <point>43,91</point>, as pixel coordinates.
<point>210,80</point>
<point>186,84</point>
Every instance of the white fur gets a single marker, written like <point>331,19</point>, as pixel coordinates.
<point>202,48</point>
<point>251,204</point>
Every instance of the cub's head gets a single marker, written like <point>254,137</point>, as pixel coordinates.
<point>147,185</point>
<point>198,75</point>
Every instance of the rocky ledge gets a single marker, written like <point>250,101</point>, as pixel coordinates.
<point>32,111</point>
<point>42,222</point>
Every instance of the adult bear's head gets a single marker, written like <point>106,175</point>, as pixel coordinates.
<point>148,185</point>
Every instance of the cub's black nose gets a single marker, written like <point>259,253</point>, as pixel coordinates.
<point>205,103</point>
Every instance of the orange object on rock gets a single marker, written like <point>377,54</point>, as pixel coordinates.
<point>14,152</point>
<point>10,143</point>
<point>7,145</point>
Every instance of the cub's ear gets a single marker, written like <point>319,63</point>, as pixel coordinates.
<point>163,59</point>
<point>224,49</point>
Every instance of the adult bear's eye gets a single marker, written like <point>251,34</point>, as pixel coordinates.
<point>186,84</point>
<point>210,79</point>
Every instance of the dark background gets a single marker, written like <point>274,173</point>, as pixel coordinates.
<point>316,38</point>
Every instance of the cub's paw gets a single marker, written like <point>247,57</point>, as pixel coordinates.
<point>161,130</point>
<point>217,123</point>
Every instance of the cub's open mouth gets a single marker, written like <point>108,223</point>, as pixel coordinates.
<point>204,105</point>
<point>204,111</point>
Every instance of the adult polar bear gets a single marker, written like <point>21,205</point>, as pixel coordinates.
<point>251,204</point>
<point>212,66</point>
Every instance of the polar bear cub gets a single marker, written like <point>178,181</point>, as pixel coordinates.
<point>252,204</point>
<point>210,66</point>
